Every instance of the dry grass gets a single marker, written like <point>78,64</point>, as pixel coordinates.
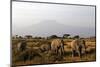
<point>49,57</point>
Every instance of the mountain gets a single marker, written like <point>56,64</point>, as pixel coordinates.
<point>51,27</point>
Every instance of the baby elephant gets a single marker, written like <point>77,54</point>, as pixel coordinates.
<point>45,47</point>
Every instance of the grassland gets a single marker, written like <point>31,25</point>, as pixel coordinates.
<point>44,57</point>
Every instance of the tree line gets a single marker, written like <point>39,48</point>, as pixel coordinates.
<point>65,36</point>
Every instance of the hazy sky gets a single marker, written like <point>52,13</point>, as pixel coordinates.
<point>27,14</point>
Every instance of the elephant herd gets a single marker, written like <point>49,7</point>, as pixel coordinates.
<point>78,47</point>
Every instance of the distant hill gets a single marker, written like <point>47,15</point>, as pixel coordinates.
<point>50,27</point>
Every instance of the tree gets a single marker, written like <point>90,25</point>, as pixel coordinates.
<point>16,36</point>
<point>77,36</point>
<point>53,36</point>
<point>28,36</point>
<point>20,37</point>
<point>66,35</point>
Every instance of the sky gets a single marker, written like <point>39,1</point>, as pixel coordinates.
<point>26,14</point>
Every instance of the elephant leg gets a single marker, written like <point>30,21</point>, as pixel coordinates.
<point>73,53</point>
<point>60,52</point>
<point>80,52</point>
<point>57,52</point>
